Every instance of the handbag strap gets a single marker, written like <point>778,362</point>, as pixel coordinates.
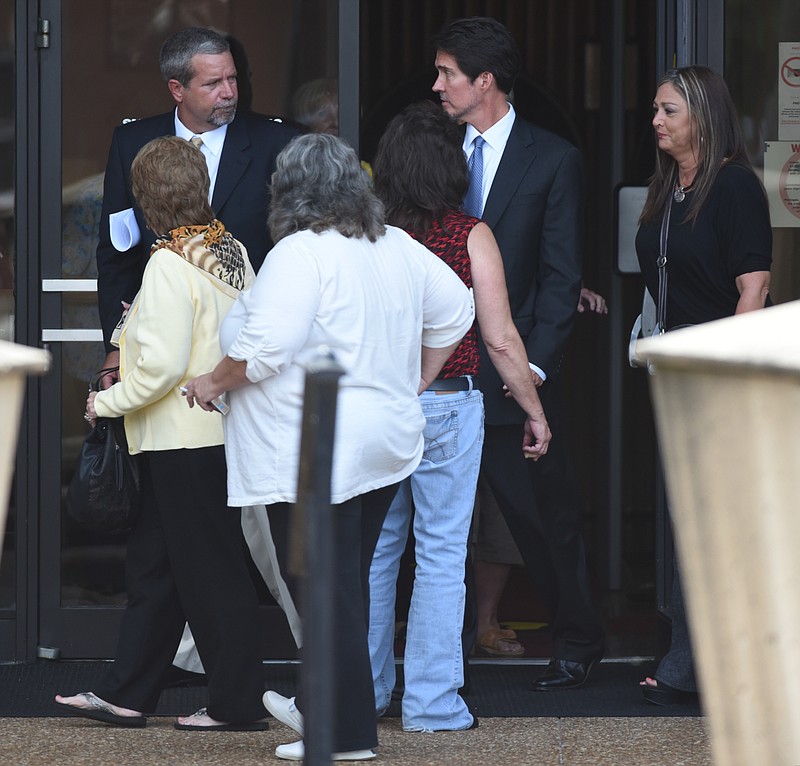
<point>94,383</point>
<point>661,262</point>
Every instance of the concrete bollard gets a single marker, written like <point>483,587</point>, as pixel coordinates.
<point>16,362</point>
<point>726,396</point>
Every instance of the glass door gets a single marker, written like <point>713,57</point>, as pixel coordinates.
<point>88,89</point>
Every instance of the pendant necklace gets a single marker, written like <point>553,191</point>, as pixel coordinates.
<point>679,195</point>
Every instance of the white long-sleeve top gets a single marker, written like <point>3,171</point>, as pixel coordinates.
<point>373,305</point>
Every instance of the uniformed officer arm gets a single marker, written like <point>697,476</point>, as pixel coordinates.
<point>119,275</point>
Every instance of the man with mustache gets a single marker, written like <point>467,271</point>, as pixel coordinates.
<point>240,148</point>
<point>240,151</point>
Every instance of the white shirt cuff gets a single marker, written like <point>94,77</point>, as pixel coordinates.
<point>538,370</point>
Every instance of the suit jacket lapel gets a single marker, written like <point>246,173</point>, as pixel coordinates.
<point>517,158</point>
<point>233,162</point>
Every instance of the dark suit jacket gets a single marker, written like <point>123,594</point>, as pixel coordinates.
<point>241,199</point>
<point>535,209</point>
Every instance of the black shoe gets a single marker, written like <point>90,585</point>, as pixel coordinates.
<point>564,674</point>
<point>663,694</point>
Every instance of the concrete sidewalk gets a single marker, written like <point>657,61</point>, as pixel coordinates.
<point>513,741</point>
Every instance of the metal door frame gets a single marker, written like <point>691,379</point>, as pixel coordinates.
<point>690,32</point>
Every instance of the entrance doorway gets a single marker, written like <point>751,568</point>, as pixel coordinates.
<point>61,588</point>
<point>76,93</point>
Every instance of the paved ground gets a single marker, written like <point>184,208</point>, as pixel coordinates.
<point>512,741</point>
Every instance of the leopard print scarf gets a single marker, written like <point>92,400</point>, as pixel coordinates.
<point>211,248</point>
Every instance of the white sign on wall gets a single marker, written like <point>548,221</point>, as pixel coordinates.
<point>782,182</point>
<point>789,91</point>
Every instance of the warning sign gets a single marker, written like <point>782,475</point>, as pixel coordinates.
<point>790,72</point>
<point>789,91</point>
<point>782,182</point>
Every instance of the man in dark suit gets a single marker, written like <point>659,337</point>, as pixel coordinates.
<point>240,151</point>
<point>240,148</point>
<point>530,193</point>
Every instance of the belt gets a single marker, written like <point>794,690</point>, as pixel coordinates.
<point>464,383</point>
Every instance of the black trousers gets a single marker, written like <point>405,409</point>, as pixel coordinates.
<point>185,563</point>
<point>356,527</point>
<point>542,506</point>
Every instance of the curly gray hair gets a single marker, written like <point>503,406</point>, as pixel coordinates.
<point>319,185</point>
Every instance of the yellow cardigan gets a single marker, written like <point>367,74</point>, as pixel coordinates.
<point>170,335</point>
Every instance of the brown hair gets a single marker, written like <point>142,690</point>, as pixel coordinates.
<point>715,127</point>
<point>420,171</point>
<point>169,179</point>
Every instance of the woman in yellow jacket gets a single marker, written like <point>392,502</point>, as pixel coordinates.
<point>185,555</point>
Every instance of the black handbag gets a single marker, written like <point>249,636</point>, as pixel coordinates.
<point>103,494</point>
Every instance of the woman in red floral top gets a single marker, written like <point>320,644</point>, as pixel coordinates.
<point>421,177</point>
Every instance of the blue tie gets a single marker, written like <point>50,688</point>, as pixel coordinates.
<point>473,201</point>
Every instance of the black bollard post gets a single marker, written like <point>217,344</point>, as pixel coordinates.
<point>311,555</point>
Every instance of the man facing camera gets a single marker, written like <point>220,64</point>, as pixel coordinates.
<point>526,184</point>
<point>239,149</point>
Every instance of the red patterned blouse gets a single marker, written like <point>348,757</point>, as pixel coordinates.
<point>447,238</point>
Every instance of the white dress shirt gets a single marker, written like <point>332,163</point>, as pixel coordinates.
<point>496,139</point>
<point>213,141</point>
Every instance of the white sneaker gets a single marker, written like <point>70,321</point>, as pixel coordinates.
<point>283,708</point>
<point>296,752</point>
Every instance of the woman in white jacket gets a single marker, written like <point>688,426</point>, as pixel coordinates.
<point>185,558</point>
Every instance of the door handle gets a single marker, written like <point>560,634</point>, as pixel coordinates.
<point>69,285</point>
<point>77,335</point>
<point>65,335</point>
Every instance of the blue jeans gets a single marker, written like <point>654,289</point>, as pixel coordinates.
<point>443,493</point>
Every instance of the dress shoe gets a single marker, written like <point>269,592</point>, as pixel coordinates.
<point>564,674</point>
<point>296,752</point>
<point>283,708</point>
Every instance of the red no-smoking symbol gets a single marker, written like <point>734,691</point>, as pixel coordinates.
<point>790,72</point>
